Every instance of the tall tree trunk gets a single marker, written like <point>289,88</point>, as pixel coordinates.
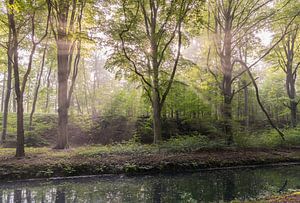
<point>291,91</point>
<point>156,117</point>
<point>65,26</point>
<point>8,89</point>
<point>62,62</point>
<point>227,84</point>
<point>20,152</point>
<point>156,100</point>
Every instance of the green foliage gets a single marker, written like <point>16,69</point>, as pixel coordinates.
<point>269,139</point>
<point>186,143</point>
<point>35,140</point>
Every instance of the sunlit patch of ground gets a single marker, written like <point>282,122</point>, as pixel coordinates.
<point>287,198</point>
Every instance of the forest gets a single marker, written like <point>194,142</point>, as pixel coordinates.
<point>93,87</point>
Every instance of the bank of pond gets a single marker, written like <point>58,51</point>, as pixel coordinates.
<point>246,184</point>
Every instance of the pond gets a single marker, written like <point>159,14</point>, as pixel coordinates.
<point>203,186</point>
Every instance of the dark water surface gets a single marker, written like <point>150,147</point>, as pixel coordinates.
<point>205,186</point>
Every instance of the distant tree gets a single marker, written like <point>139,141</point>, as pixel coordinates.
<point>288,56</point>
<point>230,22</point>
<point>8,85</point>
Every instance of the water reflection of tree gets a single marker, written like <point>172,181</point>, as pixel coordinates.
<point>199,187</point>
<point>229,186</point>
<point>17,196</point>
<point>60,195</point>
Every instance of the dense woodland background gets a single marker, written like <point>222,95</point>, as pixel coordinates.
<point>148,70</point>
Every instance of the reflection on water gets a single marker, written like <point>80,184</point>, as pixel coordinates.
<point>209,186</point>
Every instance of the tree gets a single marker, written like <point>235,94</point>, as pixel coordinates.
<point>230,23</point>
<point>15,22</point>
<point>66,17</point>
<point>150,38</point>
<point>8,85</point>
<point>37,86</point>
<point>287,61</point>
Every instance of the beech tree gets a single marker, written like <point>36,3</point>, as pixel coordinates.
<point>230,22</point>
<point>66,17</point>
<point>8,84</point>
<point>289,62</point>
<point>150,36</point>
<point>16,22</point>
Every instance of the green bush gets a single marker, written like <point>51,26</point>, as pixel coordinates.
<point>269,139</point>
<point>34,140</point>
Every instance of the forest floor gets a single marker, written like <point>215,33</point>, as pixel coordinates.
<point>96,160</point>
<point>291,198</point>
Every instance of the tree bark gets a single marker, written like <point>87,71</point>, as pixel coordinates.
<point>246,105</point>
<point>38,83</point>
<point>14,103</point>
<point>62,64</point>
<point>156,117</point>
<point>291,90</point>
<point>65,26</point>
<point>48,87</point>
<point>3,92</point>
<point>20,152</point>
<point>227,84</point>
<point>8,88</point>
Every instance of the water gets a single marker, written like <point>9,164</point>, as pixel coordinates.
<point>205,186</point>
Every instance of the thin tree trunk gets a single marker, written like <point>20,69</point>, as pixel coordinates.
<point>87,90</point>
<point>246,105</point>
<point>38,83</point>
<point>78,105</point>
<point>28,95</point>
<point>14,102</point>
<point>259,101</point>
<point>8,89</point>
<point>3,92</point>
<point>48,87</point>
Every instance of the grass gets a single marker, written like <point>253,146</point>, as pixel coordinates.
<point>178,144</point>
<point>175,155</point>
<point>269,139</point>
<point>174,145</point>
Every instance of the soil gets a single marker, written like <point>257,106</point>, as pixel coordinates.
<point>49,164</point>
